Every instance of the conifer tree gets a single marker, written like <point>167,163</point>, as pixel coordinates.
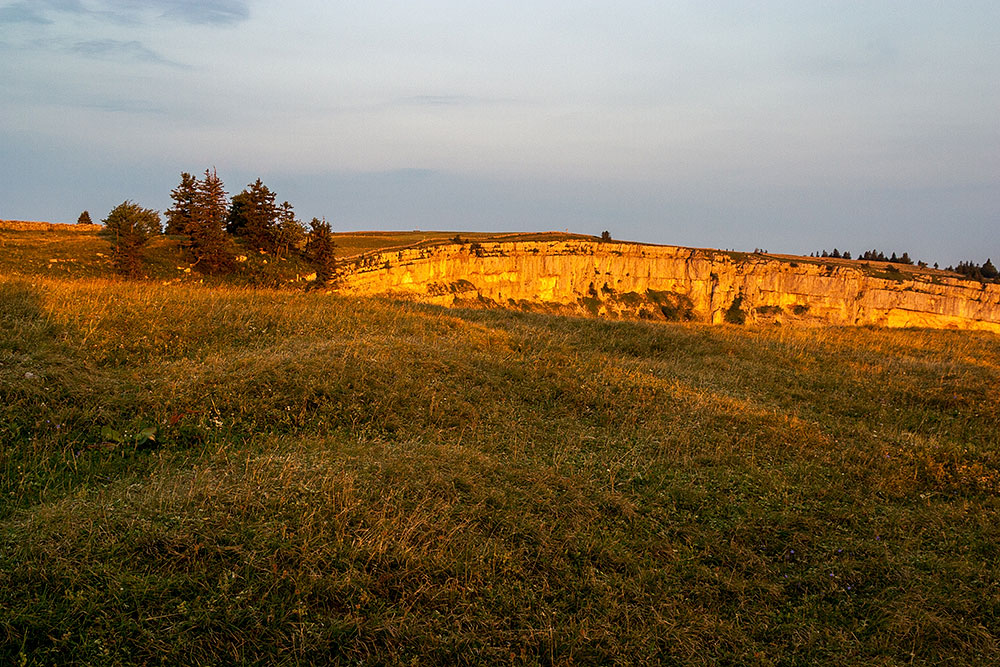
<point>989,271</point>
<point>289,232</point>
<point>129,226</point>
<point>254,216</point>
<point>84,219</point>
<point>320,248</point>
<point>180,215</point>
<point>206,230</point>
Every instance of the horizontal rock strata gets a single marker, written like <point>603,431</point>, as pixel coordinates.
<point>665,282</point>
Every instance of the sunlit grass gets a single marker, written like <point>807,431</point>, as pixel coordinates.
<point>73,254</point>
<point>351,480</point>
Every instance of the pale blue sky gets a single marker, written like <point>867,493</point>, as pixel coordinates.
<point>791,126</point>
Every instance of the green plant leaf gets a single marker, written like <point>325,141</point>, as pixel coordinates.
<point>108,433</point>
<point>146,434</point>
<point>146,438</point>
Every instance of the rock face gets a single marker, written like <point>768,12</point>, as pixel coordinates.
<point>672,283</point>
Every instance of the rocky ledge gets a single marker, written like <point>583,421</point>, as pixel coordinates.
<point>673,283</point>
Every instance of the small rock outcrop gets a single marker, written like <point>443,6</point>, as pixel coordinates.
<point>673,283</point>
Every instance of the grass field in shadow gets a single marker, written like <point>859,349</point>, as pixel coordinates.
<point>210,475</point>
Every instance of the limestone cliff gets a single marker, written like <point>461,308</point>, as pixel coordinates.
<point>665,282</point>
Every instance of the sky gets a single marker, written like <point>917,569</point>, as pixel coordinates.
<point>790,126</point>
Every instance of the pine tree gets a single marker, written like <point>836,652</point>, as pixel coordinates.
<point>130,226</point>
<point>180,215</point>
<point>320,248</point>
<point>208,241</point>
<point>989,271</point>
<point>84,219</point>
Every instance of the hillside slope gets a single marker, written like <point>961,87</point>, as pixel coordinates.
<point>201,475</point>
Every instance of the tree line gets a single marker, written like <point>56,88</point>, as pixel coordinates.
<point>868,255</point>
<point>209,221</point>
<point>983,273</point>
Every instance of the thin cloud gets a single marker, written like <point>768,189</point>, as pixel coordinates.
<point>872,59</point>
<point>21,12</point>
<point>113,49</point>
<point>440,100</point>
<point>407,173</point>
<point>448,101</point>
<point>217,12</point>
<point>203,12</point>
<point>199,12</point>
<point>139,107</point>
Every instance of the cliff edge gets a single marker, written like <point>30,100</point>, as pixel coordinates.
<point>673,283</point>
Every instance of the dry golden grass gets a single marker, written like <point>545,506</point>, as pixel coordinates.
<point>337,480</point>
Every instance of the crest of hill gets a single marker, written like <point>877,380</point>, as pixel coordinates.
<point>37,226</point>
<point>71,249</point>
<point>83,251</point>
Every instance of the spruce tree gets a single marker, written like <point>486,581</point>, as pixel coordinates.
<point>320,248</point>
<point>253,215</point>
<point>289,232</point>
<point>84,219</point>
<point>208,241</point>
<point>989,271</point>
<point>129,226</point>
<point>180,215</point>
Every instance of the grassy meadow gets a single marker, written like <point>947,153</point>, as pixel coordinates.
<point>72,254</point>
<point>209,474</point>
